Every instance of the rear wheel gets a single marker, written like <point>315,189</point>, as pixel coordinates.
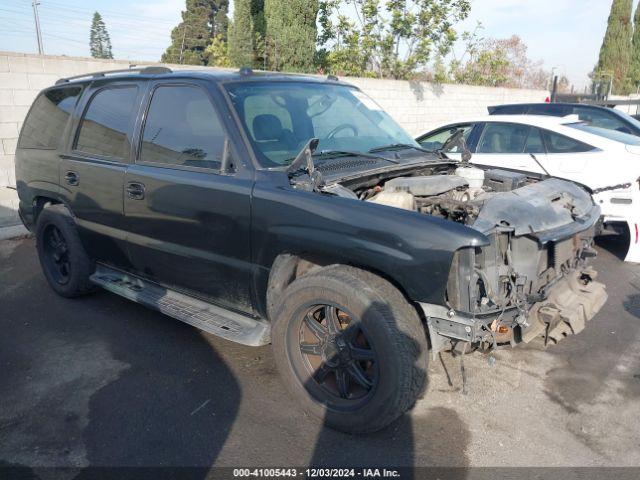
<point>350,347</point>
<point>64,262</point>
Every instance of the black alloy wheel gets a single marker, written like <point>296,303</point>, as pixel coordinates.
<point>337,354</point>
<point>56,258</point>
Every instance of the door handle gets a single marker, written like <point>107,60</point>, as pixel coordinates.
<point>135,190</point>
<point>71,178</point>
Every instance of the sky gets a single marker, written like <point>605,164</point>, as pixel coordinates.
<point>565,34</point>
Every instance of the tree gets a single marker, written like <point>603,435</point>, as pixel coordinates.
<point>291,34</point>
<point>497,63</point>
<point>615,53</point>
<point>217,52</point>
<point>99,41</point>
<point>219,19</point>
<point>241,34</point>
<point>201,21</point>
<point>387,39</point>
<point>634,69</point>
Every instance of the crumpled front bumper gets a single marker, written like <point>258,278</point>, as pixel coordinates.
<point>570,302</point>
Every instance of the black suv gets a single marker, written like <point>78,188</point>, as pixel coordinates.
<point>292,210</point>
<point>603,117</point>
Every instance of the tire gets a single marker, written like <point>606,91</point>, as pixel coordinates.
<point>63,259</point>
<point>374,322</point>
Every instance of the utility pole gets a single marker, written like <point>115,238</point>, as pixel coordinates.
<point>184,33</point>
<point>35,4</point>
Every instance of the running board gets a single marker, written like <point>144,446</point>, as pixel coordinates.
<point>205,316</point>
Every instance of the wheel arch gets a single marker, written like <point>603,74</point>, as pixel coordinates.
<point>287,267</point>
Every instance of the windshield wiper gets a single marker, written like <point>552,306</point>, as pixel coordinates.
<point>398,146</point>
<point>344,153</point>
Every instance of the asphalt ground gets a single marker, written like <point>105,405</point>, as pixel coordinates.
<point>101,381</point>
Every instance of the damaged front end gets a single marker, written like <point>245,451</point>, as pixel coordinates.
<point>532,280</point>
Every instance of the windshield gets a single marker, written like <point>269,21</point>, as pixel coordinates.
<point>280,117</point>
<point>615,135</point>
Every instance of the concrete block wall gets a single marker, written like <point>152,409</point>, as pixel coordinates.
<point>417,106</point>
<point>22,76</point>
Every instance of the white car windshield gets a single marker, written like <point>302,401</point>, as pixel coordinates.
<point>615,135</point>
<point>280,118</point>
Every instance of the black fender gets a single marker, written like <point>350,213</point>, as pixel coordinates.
<point>411,249</point>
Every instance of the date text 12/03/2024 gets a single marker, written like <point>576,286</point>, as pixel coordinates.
<point>316,473</point>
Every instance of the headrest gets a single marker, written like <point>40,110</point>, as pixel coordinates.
<point>267,127</point>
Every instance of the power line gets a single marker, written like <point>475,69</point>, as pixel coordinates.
<point>60,6</point>
<point>58,17</point>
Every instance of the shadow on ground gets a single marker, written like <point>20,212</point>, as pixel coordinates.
<point>103,382</point>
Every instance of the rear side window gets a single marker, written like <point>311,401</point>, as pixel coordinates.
<point>182,128</point>
<point>106,122</point>
<point>48,117</point>
<point>504,138</point>
<point>557,143</point>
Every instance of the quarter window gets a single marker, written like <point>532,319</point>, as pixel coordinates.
<point>182,128</point>
<point>106,122</point>
<point>504,138</point>
<point>48,117</point>
<point>557,143</point>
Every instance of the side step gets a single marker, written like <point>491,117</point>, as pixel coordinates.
<point>205,316</point>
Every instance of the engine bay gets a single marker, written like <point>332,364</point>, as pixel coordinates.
<point>537,229</point>
<point>458,197</point>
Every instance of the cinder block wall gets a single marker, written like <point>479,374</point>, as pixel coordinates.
<point>417,106</point>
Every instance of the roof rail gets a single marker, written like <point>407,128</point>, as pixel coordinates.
<point>150,70</point>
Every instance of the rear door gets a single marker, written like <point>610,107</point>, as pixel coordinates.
<point>567,157</point>
<point>188,221</point>
<point>93,167</point>
<point>510,145</point>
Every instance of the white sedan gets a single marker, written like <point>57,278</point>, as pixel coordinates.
<point>605,161</point>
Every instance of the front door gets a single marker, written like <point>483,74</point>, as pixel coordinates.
<point>188,222</point>
<point>511,146</point>
<point>434,141</point>
<point>93,169</point>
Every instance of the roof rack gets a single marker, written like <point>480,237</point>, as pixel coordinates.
<point>151,70</point>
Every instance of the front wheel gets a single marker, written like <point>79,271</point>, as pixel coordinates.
<point>350,347</point>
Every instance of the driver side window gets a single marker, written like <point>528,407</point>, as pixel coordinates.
<point>436,140</point>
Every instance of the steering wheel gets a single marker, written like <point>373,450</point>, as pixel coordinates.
<point>343,126</point>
